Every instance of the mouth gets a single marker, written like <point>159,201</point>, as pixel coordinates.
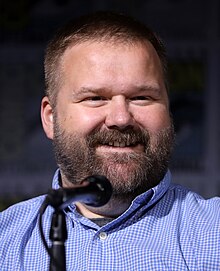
<point>120,144</point>
<point>117,146</point>
<point>115,141</point>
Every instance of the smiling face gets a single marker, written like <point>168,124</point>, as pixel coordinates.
<point>112,116</point>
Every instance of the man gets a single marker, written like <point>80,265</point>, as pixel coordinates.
<point>107,111</point>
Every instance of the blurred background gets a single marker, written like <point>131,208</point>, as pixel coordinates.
<point>191,33</point>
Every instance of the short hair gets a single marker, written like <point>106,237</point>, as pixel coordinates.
<point>99,26</point>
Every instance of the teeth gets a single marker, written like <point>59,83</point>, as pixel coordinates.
<point>122,144</point>
<point>117,144</point>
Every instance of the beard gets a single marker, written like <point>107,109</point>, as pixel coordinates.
<point>130,173</point>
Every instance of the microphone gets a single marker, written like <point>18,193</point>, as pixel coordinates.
<point>97,193</point>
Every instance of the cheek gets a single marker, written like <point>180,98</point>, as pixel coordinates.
<point>153,119</point>
<point>81,120</point>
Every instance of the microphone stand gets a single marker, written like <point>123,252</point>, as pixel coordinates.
<point>58,236</point>
<point>58,231</point>
<point>97,193</point>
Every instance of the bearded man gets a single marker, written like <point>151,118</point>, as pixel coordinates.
<point>106,109</point>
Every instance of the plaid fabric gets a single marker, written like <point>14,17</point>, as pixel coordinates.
<point>166,228</point>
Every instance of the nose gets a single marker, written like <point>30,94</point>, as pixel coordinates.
<point>119,116</point>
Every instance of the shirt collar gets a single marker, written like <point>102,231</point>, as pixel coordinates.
<point>150,196</point>
<point>155,193</point>
<point>56,177</point>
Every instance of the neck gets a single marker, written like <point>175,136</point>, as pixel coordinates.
<point>114,208</point>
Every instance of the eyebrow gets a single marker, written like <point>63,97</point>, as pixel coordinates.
<point>78,94</point>
<point>141,88</point>
<point>148,88</point>
<point>89,89</point>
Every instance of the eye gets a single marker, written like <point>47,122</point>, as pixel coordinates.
<point>141,100</point>
<point>94,101</point>
<point>96,98</point>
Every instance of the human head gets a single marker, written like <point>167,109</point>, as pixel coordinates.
<point>100,26</point>
<point>111,114</point>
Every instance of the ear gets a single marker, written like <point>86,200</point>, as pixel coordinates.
<point>47,117</point>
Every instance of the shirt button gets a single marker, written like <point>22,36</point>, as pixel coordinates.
<point>103,235</point>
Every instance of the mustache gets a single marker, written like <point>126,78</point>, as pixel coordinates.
<point>129,137</point>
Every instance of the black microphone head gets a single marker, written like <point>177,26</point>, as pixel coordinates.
<point>96,193</point>
<point>104,191</point>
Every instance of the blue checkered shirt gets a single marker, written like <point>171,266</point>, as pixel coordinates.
<point>166,228</point>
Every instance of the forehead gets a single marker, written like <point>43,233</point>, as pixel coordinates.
<point>94,51</point>
<point>113,64</point>
<point>98,48</point>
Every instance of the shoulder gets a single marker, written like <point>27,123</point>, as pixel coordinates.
<point>17,225</point>
<point>184,193</point>
<point>193,205</point>
<point>20,214</point>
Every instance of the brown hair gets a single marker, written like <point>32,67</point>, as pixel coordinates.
<point>99,26</point>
